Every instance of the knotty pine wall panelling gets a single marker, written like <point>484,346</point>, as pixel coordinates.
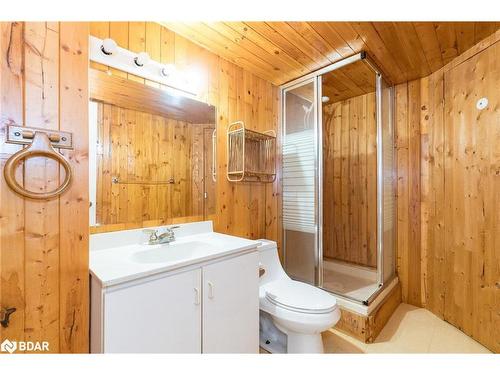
<point>448,223</point>
<point>349,180</point>
<point>44,243</point>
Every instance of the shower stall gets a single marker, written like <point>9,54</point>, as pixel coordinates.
<point>339,180</point>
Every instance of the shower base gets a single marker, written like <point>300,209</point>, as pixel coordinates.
<point>349,280</point>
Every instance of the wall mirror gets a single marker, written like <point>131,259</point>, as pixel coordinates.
<point>152,155</point>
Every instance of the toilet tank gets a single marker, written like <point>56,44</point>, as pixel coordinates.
<point>269,262</point>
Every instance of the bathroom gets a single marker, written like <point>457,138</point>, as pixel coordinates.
<point>250,187</point>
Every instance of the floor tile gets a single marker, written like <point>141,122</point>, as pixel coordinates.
<point>335,341</point>
<point>409,330</point>
<point>449,339</point>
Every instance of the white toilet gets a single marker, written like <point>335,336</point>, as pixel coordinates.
<point>292,314</point>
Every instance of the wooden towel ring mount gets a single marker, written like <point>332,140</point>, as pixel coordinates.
<point>39,146</point>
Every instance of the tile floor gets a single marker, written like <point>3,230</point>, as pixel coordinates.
<point>409,330</point>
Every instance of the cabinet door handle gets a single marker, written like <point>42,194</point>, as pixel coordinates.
<point>196,296</point>
<point>210,290</point>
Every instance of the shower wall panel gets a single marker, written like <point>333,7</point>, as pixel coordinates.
<point>350,180</point>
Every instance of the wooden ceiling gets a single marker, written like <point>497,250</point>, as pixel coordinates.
<point>282,51</point>
<point>349,81</point>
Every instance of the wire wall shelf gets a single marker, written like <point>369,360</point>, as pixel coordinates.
<point>251,155</point>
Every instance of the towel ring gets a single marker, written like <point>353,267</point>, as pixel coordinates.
<point>40,146</point>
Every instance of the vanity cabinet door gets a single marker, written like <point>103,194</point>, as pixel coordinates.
<point>157,316</point>
<point>231,305</point>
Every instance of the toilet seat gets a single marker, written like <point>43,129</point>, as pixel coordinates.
<point>299,297</point>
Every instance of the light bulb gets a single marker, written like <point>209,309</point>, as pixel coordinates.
<point>109,46</point>
<point>325,99</point>
<point>168,70</point>
<point>141,59</point>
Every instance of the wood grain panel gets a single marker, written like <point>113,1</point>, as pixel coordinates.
<point>379,318</point>
<point>472,197</point>
<point>41,61</point>
<point>12,254</point>
<point>43,257</point>
<point>349,165</point>
<point>433,196</point>
<point>367,328</point>
<point>414,253</point>
<point>408,150</point>
<point>402,193</point>
<point>281,51</point>
<point>74,223</point>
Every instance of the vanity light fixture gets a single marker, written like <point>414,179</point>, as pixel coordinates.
<point>167,70</point>
<point>141,59</point>
<point>109,53</point>
<point>109,46</point>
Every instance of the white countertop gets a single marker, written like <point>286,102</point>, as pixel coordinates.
<point>113,255</point>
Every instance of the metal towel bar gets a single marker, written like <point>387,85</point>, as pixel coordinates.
<point>116,180</point>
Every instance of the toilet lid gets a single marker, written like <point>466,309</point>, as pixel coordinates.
<point>302,297</point>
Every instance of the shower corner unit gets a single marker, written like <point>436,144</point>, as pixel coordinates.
<point>251,155</point>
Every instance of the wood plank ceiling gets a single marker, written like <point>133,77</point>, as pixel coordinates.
<point>282,51</point>
<point>350,81</point>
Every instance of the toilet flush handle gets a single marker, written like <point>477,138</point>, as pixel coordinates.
<point>262,271</point>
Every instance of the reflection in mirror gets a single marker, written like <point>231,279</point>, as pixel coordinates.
<point>151,156</point>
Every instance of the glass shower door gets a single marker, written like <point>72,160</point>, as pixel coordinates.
<point>339,180</point>
<point>300,182</point>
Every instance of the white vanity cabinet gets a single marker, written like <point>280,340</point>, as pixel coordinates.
<point>231,305</point>
<point>211,307</point>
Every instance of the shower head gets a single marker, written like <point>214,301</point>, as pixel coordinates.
<point>306,108</point>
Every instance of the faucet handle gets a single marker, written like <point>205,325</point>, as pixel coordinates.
<point>171,229</point>
<point>153,234</point>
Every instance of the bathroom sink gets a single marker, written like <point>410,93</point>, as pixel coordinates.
<point>118,257</point>
<point>171,252</point>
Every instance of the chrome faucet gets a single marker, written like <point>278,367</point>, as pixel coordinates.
<point>155,238</point>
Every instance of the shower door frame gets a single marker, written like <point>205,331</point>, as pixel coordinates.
<point>316,77</point>
<point>318,244</point>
